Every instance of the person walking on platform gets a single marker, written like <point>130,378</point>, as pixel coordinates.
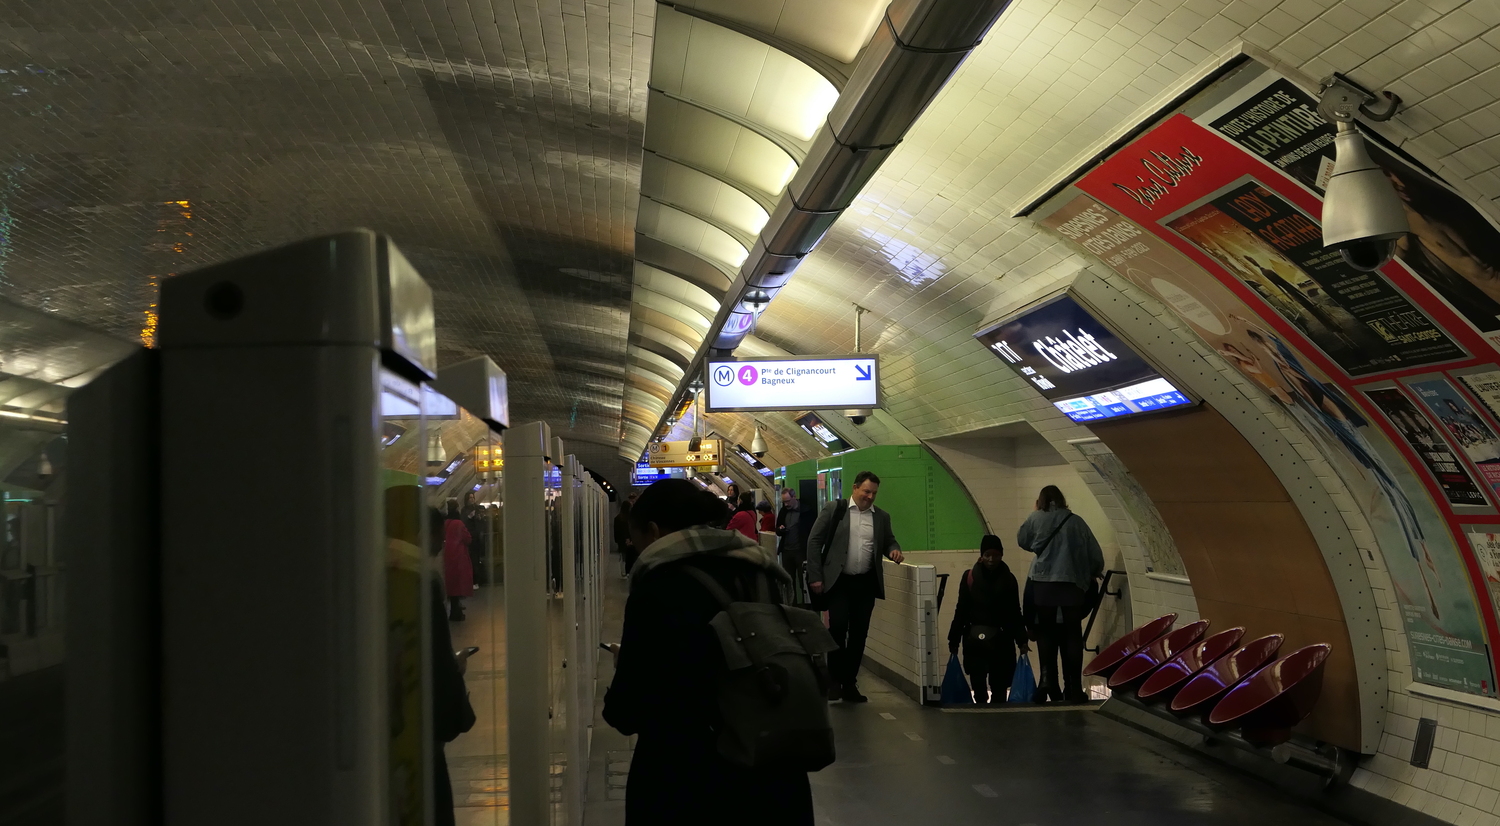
<point>744,519</point>
<point>789,528</point>
<point>843,566</point>
<point>458,570</point>
<point>1063,579</point>
<point>987,621</point>
<point>668,664</point>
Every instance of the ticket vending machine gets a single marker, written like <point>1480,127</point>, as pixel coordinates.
<point>249,615</point>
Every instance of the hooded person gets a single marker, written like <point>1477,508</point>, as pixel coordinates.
<point>987,622</point>
<point>668,663</point>
<point>1068,562</point>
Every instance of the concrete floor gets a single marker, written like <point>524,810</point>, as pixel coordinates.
<point>900,763</point>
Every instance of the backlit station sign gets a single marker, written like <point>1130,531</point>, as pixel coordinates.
<point>1078,364</point>
<point>802,383</point>
<point>682,454</point>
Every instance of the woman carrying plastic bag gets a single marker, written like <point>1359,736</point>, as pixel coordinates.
<point>955,687</point>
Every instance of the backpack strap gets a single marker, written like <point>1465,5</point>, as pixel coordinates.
<point>969,578</point>
<point>840,506</point>
<point>762,586</point>
<point>1048,540</point>
<point>708,583</point>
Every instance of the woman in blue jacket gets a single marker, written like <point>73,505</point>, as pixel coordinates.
<point>1068,562</point>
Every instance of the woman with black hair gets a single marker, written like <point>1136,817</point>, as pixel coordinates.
<point>667,665</point>
<point>744,519</point>
<point>458,566</point>
<point>987,622</point>
<point>1068,561</point>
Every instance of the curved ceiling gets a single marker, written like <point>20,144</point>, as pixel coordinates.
<point>738,92</point>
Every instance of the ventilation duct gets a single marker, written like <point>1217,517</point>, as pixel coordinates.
<point>912,54</point>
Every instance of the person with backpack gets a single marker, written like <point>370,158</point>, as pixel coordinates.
<point>1062,583</point>
<point>987,622</point>
<point>844,569</point>
<point>687,683</point>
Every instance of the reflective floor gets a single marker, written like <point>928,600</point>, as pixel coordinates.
<point>900,763</point>
<point>476,760</point>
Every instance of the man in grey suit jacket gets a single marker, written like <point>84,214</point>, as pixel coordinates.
<point>843,564</point>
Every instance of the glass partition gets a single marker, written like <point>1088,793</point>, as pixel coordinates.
<point>458,463</point>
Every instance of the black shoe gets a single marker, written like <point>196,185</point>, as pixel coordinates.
<point>852,695</point>
<point>834,692</point>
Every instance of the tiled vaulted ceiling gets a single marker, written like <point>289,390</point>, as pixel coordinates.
<point>498,143</point>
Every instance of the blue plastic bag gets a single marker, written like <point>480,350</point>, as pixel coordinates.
<point>1023,685</point>
<point>955,687</point>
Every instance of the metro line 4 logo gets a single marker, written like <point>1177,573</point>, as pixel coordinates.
<point>748,375</point>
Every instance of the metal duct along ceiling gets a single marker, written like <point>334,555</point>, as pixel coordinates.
<point>907,58</point>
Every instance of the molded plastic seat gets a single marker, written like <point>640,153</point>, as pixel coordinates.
<point>1140,665</point>
<point>1171,677</point>
<point>1205,689</point>
<point>1121,649</point>
<point>1274,699</point>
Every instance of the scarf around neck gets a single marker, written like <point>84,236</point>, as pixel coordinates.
<point>702,541</point>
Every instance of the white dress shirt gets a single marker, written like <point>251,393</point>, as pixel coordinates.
<point>861,540</point>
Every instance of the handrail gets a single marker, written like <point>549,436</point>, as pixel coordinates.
<point>1094,612</point>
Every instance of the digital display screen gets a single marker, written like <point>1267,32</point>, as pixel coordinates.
<point>815,428</point>
<point>644,474</point>
<point>1078,364</point>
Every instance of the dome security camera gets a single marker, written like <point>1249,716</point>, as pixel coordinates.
<point>1363,217</point>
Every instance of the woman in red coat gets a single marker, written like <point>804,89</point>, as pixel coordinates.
<point>458,568</point>
<point>744,519</point>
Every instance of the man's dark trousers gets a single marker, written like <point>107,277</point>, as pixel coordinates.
<point>850,604</point>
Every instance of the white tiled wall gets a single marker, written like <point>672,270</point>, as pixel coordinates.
<point>931,249</point>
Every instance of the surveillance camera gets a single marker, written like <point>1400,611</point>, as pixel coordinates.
<point>1363,217</point>
<point>857,419</point>
<point>759,455</point>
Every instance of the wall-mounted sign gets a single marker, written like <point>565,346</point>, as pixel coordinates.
<point>677,454</point>
<point>1078,364</point>
<point>811,383</point>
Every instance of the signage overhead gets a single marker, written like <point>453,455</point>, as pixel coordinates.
<point>807,383</point>
<point>1076,363</point>
<point>677,454</point>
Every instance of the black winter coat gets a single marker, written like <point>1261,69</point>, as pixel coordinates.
<point>992,599</point>
<point>664,690</point>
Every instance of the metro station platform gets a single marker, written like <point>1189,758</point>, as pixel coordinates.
<point>901,763</point>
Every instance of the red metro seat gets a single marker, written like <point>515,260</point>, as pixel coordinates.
<point>1121,649</point>
<point>1164,683</point>
<point>1205,689</point>
<point>1140,665</point>
<point>1274,699</point>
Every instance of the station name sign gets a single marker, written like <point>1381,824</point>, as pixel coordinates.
<point>797,383</point>
<point>1079,364</point>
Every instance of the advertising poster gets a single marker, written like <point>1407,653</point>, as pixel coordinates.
<point>1485,385</point>
<point>1430,448</point>
<point>1464,426</point>
<point>1485,539</point>
<point>1453,248</point>
<point>1156,540</point>
<point>1357,318</point>
<point>1442,622</point>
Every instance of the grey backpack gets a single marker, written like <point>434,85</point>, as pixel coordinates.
<point>773,694</point>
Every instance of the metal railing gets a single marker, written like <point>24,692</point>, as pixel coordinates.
<point>1094,611</point>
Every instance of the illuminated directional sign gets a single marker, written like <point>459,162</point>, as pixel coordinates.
<point>802,383</point>
<point>678,454</point>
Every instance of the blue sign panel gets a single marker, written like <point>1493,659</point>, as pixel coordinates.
<point>1078,364</point>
